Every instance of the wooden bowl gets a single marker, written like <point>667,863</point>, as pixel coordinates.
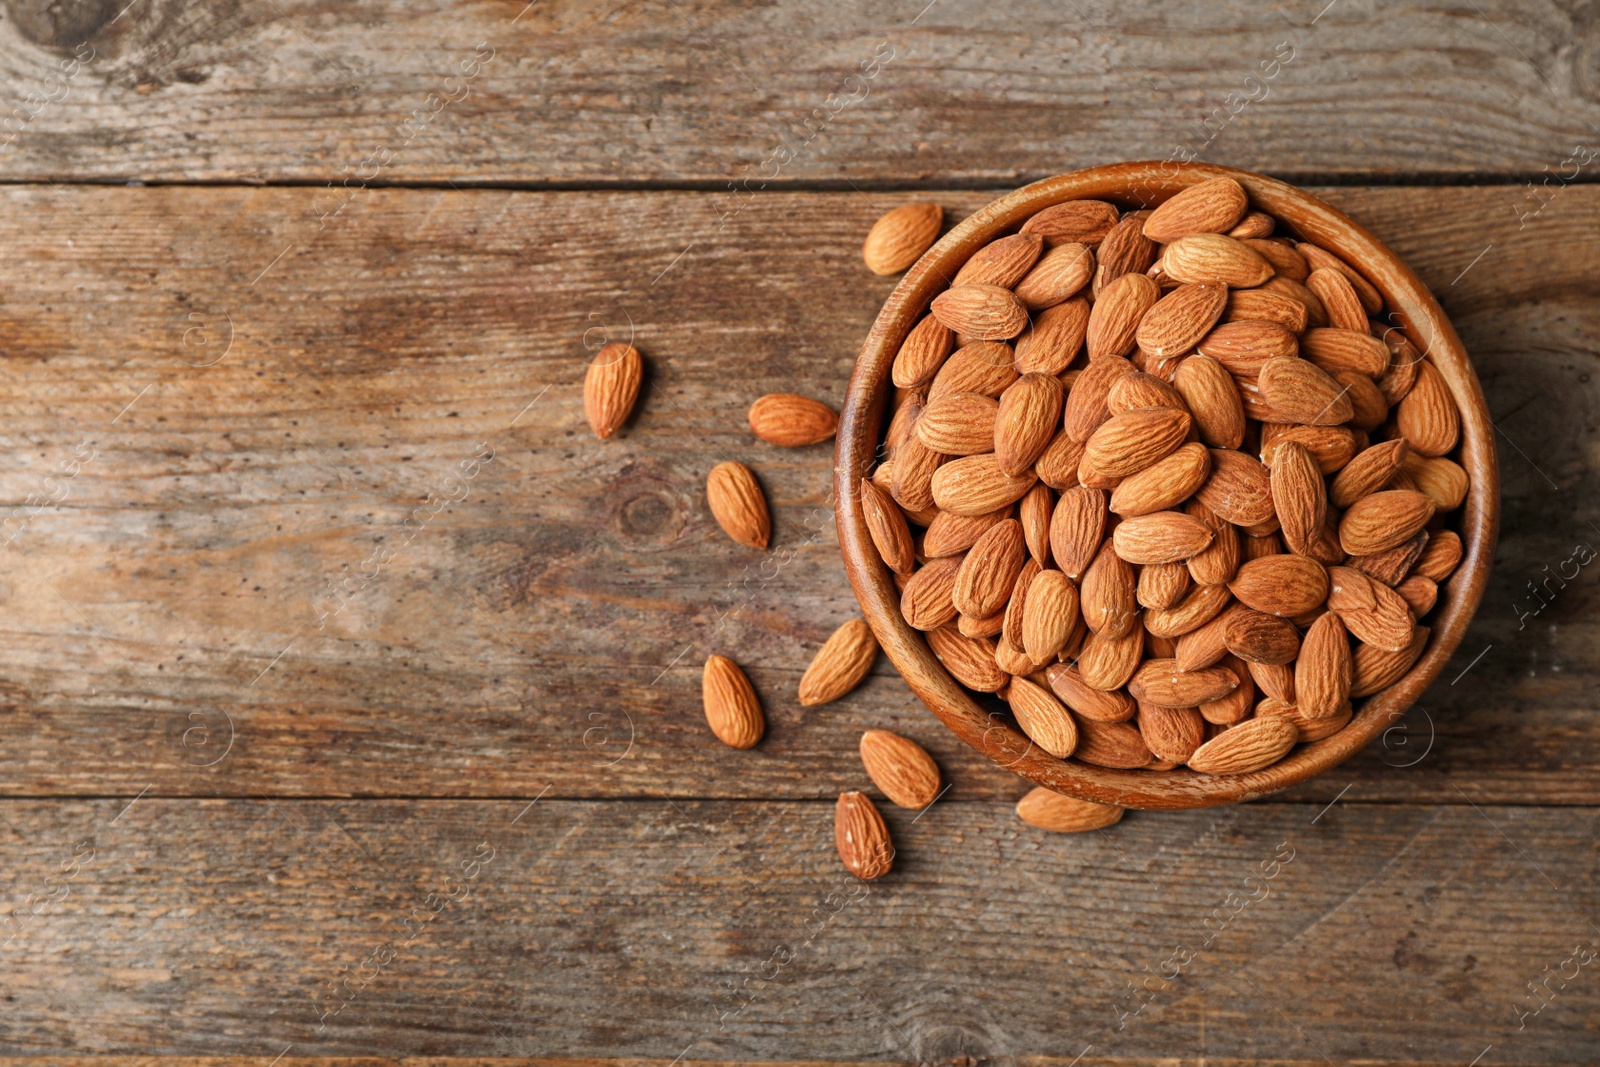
<point>1145,185</point>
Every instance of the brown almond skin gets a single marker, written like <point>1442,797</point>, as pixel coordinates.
<point>1179,319</point>
<point>1299,496</point>
<point>1060,273</point>
<point>1045,809</point>
<point>862,837</point>
<point>985,367</point>
<point>1029,412</point>
<point>841,664</point>
<point>1160,537</point>
<point>1284,585</point>
<point>1003,262</point>
<point>1114,319</point>
<point>738,504</point>
<point>1441,556</point>
<point>792,420</point>
<point>732,708</point>
<point>922,353</point>
<point>1322,670</point>
<point>1303,392</point>
<point>1250,746</point>
<point>1159,681</point>
<point>1108,594</point>
<point>886,524</point>
<point>1427,416</point>
<point>1367,472</point>
<point>1086,405</point>
<point>971,660</point>
<point>1257,637</point>
<point>1128,443</point>
<point>1125,250</point>
<point>926,602</point>
<point>1214,206</point>
<point>611,388</point>
<point>989,570</point>
<point>1213,400</point>
<point>1084,221</point>
<point>1383,520</point>
<point>1085,700</point>
<point>980,312</point>
<point>1171,734</point>
<point>1076,529</point>
<point>1054,340</point>
<point>899,238</point>
<point>1042,718</point>
<point>975,485</point>
<point>901,768</point>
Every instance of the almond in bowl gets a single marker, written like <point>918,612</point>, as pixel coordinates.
<point>1206,499</point>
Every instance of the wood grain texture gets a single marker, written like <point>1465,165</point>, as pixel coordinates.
<point>645,929</point>
<point>167,603</point>
<point>720,92</point>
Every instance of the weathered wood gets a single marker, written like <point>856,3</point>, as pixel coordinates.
<point>709,92</point>
<point>520,636</point>
<point>632,929</point>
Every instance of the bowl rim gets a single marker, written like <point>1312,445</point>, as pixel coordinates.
<point>1146,184</point>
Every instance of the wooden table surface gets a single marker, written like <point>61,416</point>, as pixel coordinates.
<point>351,687</point>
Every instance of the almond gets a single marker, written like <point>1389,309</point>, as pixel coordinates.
<point>841,664</point>
<point>1443,480</point>
<point>989,570</point>
<point>1336,350</point>
<point>908,408</point>
<point>1084,221</point>
<point>1439,559</point>
<point>1054,340</point>
<point>1245,346</point>
<point>922,353</point>
<point>1266,305</point>
<point>1367,473</point>
<point>1046,809</point>
<point>1164,484</point>
<point>732,709</point>
<point>980,312</point>
<point>1282,255</point>
<point>1419,593</point>
<point>1239,488</point>
<point>611,387</point>
<point>1125,250</point>
<point>1180,319</point>
<point>1050,610</point>
<point>1385,622</point>
<point>991,626</point>
<point>1317,257</point>
<point>1298,496</point>
<point>959,424</point>
<point>1061,272</point>
<point>970,660</point>
<point>1159,681</point>
<point>1322,670</point>
<point>926,602</point>
<point>792,420</point>
<point>973,485</point>
<point>1218,562</point>
<point>1427,416</point>
<point>1086,403</point>
<point>1011,623</point>
<point>1162,585</point>
<point>1003,262</point>
<point>1141,390</point>
<point>980,367</point>
<point>1162,537</point>
<point>1057,466</point>
<point>1392,565</point>
<point>901,768</point>
<point>1205,645</point>
<point>1256,637</point>
<point>1128,443</point>
<point>1077,528</point>
<point>1214,206</point>
<point>1029,412</point>
<point>1042,718</point>
<point>1383,520</point>
<point>1254,224</point>
<point>1253,745</point>
<point>1034,512</point>
<point>1316,315</point>
<point>1117,745</point>
<point>886,523</point>
<point>950,534</point>
<point>1309,729</point>
<point>1085,700</point>
<point>1332,446</point>
<point>1274,679</point>
<point>1213,401</point>
<point>1303,392</point>
<point>1171,733</point>
<point>1283,585</point>
<point>1369,409</point>
<point>861,837</point>
<point>914,467</point>
<point>1114,318</point>
<point>1374,669</point>
<point>1106,662</point>
<point>1107,593</point>
<point>1338,298</point>
<point>1202,605</point>
<point>1235,706</point>
<point>1214,258</point>
<point>899,238</point>
<point>1404,359</point>
<point>738,505</point>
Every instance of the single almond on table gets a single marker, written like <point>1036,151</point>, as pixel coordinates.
<point>901,768</point>
<point>1046,809</point>
<point>792,420</point>
<point>843,661</point>
<point>738,504</point>
<point>611,387</point>
<point>862,837</point>
<point>732,709</point>
<point>899,238</point>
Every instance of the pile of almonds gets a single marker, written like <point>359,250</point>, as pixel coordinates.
<point>1161,481</point>
<point>1166,484</point>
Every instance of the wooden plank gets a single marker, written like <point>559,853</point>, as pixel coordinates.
<point>729,932</point>
<point>174,622</point>
<point>825,91</point>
